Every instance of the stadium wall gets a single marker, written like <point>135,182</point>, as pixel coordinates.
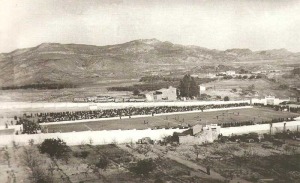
<point>112,105</point>
<point>97,137</point>
<point>262,128</point>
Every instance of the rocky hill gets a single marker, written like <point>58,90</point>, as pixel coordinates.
<point>77,63</point>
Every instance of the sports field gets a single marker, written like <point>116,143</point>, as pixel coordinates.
<point>256,114</point>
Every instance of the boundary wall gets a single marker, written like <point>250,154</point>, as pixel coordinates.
<point>97,137</point>
<point>262,128</point>
<point>111,105</point>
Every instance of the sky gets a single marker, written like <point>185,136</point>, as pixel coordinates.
<point>253,24</point>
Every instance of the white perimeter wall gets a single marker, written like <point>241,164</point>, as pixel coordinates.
<point>261,128</point>
<point>98,137</point>
<point>113,105</point>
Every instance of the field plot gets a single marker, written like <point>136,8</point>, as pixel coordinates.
<point>263,87</point>
<point>66,94</point>
<point>168,121</point>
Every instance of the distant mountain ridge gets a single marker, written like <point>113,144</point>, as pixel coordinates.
<point>77,63</point>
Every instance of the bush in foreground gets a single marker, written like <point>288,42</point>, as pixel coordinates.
<point>143,167</point>
<point>55,148</point>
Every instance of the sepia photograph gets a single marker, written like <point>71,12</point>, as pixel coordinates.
<point>149,91</point>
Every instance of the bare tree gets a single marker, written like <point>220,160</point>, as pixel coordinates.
<point>143,149</point>
<point>197,150</point>
<point>7,157</point>
<point>31,158</point>
<point>31,142</point>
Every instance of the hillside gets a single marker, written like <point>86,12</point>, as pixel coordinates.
<point>76,63</point>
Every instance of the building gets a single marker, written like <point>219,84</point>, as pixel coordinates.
<point>164,94</point>
<point>211,75</point>
<point>79,99</point>
<point>201,134</point>
<point>91,99</point>
<point>230,73</point>
<point>202,89</point>
<point>268,100</point>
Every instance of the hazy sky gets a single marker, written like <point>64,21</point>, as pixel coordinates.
<point>254,24</point>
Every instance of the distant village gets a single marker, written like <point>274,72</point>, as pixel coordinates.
<point>172,93</point>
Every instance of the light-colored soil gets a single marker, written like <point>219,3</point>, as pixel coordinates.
<point>64,95</point>
<point>263,87</point>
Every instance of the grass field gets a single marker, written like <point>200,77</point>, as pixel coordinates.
<point>255,114</point>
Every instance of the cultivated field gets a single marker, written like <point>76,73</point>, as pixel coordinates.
<point>253,114</point>
<point>264,87</point>
<point>66,94</point>
<point>229,162</point>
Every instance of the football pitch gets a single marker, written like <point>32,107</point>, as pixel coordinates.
<point>256,114</point>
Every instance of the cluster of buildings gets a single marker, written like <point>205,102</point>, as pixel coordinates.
<point>268,73</point>
<point>164,94</point>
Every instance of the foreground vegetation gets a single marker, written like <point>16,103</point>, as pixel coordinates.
<point>273,157</point>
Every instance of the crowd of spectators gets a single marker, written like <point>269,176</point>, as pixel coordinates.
<point>281,107</point>
<point>131,111</point>
<point>247,123</point>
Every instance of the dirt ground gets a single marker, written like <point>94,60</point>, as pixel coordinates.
<point>263,87</point>
<point>64,95</point>
<point>231,162</point>
<point>256,114</point>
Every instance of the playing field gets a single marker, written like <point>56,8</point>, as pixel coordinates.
<point>237,115</point>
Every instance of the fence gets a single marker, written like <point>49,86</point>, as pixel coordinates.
<point>111,105</point>
<point>96,137</point>
<point>262,128</point>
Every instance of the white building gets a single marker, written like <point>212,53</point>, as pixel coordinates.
<point>201,134</point>
<point>202,89</point>
<point>164,94</point>
<point>211,75</point>
<point>230,73</point>
<point>269,100</point>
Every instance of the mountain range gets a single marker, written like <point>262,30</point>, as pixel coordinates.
<point>78,63</point>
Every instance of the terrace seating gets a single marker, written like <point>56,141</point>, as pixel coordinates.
<point>131,111</point>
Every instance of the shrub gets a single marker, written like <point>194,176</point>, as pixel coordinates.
<point>143,167</point>
<point>226,98</point>
<point>102,163</point>
<point>55,148</point>
<point>81,154</point>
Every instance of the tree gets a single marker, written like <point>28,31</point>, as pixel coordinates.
<point>188,87</point>
<point>30,127</point>
<point>31,142</point>
<point>251,87</point>
<point>136,92</point>
<point>226,98</point>
<point>252,77</point>
<point>197,150</point>
<point>143,167</point>
<point>102,163</point>
<point>243,71</point>
<point>55,148</point>
<point>296,71</point>
<point>32,159</point>
<point>7,157</point>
